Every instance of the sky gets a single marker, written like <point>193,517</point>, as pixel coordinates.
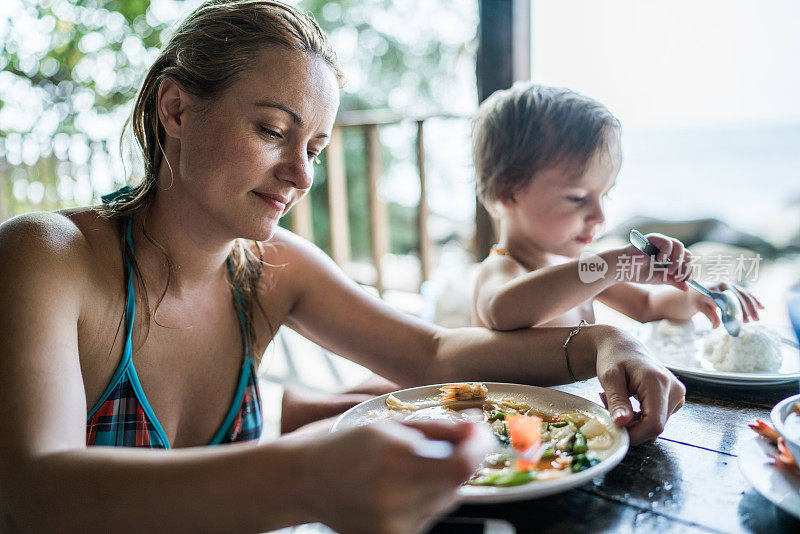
<point>708,93</point>
<point>675,63</point>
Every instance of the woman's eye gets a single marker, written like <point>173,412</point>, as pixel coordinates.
<point>272,134</point>
<point>577,200</point>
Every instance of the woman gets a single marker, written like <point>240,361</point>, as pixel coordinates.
<point>139,323</point>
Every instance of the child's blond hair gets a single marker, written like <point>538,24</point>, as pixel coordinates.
<point>528,128</point>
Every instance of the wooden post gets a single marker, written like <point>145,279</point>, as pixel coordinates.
<point>422,209</point>
<point>337,198</point>
<point>302,218</point>
<point>379,220</point>
<point>503,58</point>
<point>4,178</point>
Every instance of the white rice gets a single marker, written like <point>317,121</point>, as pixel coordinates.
<point>675,343</point>
<point>757,348</point>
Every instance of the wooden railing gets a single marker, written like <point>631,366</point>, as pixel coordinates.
<point>368,122</point>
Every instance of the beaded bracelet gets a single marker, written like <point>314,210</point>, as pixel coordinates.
<point>566,353</point>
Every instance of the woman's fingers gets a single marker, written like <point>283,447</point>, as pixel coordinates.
<point>470,443</point>
<point>660,396</point>
<point>617,397</point>
<point>396,485</point>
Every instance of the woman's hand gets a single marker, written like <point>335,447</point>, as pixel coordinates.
<point>371,479</point>
<point>625,370</point>
<point>749,303</point>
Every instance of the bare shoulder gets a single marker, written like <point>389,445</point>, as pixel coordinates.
<point>285,245</point>
<point>62,244</point>
<point>295,258</point>
<point>36,236</point>
<point>498,268</point>
<point>296,267</point>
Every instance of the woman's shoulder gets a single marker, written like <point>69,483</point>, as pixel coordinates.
<point>286,247</point>
<point>64,240</point>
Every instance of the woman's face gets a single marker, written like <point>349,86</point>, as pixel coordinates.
<point>248,156</point>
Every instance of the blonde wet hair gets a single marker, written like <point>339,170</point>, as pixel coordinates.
<point>528,128</point>
<point>215,44</point>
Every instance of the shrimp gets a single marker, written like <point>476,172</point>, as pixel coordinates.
<point>763,429</point>
<point>784,458</point>
<point>464,391</point>
<point>393,403</point>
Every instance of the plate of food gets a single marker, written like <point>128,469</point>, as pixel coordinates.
<point>762,354</point>
<point>776,483</point>
<point>769,461</point>
<point>575,440</point>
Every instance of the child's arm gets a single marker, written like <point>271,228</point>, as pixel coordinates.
<point>645,306</point>
<point>508,297</point>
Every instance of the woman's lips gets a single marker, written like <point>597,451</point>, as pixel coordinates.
<point>273,199</point>
<point>585,239</point>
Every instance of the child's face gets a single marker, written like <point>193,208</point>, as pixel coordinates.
<point>561,214</point>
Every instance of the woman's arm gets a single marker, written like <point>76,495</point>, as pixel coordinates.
<point>334,312</point>
<point>49,480</point>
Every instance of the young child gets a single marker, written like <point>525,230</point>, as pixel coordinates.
<point>545,160</point>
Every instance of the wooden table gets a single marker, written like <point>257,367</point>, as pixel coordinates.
<point>687,481</point>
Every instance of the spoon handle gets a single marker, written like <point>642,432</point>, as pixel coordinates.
<point>697,287</point>
<point>646,247</point>
<point>643,244</point>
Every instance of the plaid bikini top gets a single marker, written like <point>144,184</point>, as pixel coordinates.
<point>123,417</point>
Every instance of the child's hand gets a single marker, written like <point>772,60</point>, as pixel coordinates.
<point>672,264</point>
<point>750,304</point>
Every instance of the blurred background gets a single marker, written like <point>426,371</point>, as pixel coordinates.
<point>707,93</point>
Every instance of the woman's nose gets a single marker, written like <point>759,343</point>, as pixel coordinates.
<point>298,171</point>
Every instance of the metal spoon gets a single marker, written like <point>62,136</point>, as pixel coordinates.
<point>727,301</point>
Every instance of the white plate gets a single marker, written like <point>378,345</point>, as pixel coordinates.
<point>705,371</point>
<point>548,401</point>
<point>776,484</point>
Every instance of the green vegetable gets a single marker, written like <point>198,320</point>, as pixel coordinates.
<point>558,424</point>
<point>504,440</point>
<point>497,415</point>
<point>581,462</point>
<point>579,446</point>
<point>514,478</point>
<point>548,454</point>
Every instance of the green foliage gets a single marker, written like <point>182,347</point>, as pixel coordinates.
<point>70,69</point>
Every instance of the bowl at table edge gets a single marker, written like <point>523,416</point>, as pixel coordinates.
<point>778,417</point>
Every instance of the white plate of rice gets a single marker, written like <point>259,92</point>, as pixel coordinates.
<point>762,354</point>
